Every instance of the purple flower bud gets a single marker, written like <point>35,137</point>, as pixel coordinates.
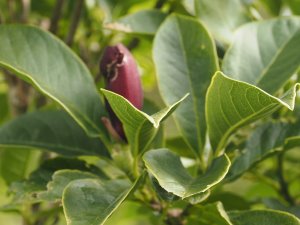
<point>122,77</point>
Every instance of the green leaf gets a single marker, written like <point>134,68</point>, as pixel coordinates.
<point>91,201</point>
<point>43,60</point>
<point>50,130</point>
<point>60,180</point>
<point>262,217</point>
<point>265,53</point>
<point>264,141</point>
<point>17,164</point>
<point>27,191</point>
<point>231,104</point>
<point>167,168</point>
<point>141,22</point>
<point>208,214</point>
<point>139,127</point>
<point>185,60</point>
<point>221,17</point>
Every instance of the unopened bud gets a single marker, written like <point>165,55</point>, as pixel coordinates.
<point>122,77</point>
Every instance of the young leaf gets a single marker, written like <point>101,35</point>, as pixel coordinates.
<point>262,217</point>
<point>265,140</point>
<point>265,53</point>
<point>167,168</point>
<point>142,22</point>
<point>27,191</point>
<point>53,131</point>
<point>90,201</point>
<point>222,17</point>
<point>185,60</point>
<point>43,60</point>
<point>140,128</point>
<point>60,180</point>
<point>231,104</point>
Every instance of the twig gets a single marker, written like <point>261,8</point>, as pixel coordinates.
<point>74,22</point>
<point>284,191</point>
<point>56,15</point>
<point>25,10</point>
<point>159,4</point>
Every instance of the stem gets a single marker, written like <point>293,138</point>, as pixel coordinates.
<point>159,4</point>
<point>19,92</point>
<point>25,10</point>
<point>283,190</point>
<point>56,16</point>
<point>74,22</point>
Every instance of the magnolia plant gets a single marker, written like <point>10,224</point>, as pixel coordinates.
<point>107,154</point>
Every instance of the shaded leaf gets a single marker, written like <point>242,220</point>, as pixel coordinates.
<point>265,140</point>
<point>221,17</point>
<point>213,213</point>
<point>167,168</point>
<point>262,217</point>
<point>53,131</point>
<point>139,127</point>
<point>185,60</point>
<point>265,53</point>
<point>141,22</point>
<point>16,164</point>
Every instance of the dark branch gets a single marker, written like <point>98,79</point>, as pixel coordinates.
<point>284,191</point>
<point>74,22</point>
<point>56,15</point>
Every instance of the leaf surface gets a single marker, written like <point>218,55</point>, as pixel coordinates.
<point>44,61</point>
<point>231,104</point>
<point>53,131</point>
<point>139,127</point>
<point>265,53</point>
<point>167,168</point>
<point>185,60</point>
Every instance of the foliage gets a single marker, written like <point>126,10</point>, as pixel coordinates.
<point>217,140</point>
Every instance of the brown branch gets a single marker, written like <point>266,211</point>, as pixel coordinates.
<point>56,15</point>
<point>19,93</point>
<point>74,22</point>
<point>284,191</point>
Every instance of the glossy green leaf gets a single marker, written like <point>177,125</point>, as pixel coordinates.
<point>263,217</point>
<point>231,104</point>
<point>265,53</point>
<point>60,180</point>
<point>167,168</point>
<point>43,60</point>
<point>141,22</point>
<point>221,17</point>
<point>16,164</point>
<point>53,131</point>
<point>265,140</point>
<point>185,60</point>
<point>91,201</point>
<point>209,214</point>
<point>139,127</point>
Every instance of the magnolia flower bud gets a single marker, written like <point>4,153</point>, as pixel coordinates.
<point>121,76</point>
